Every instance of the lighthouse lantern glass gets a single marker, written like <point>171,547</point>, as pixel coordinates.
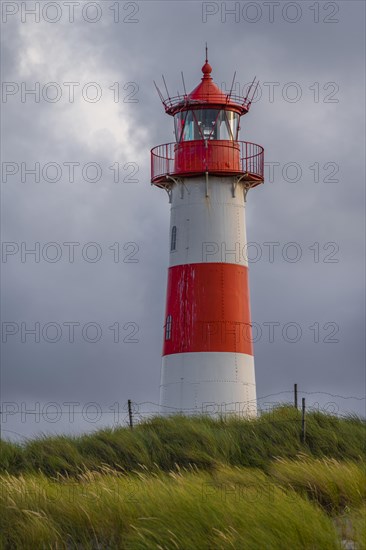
<point>233,122</point>
<point>206,124</point>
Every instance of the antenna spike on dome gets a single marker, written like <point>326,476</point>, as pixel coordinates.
<point>206,60</point>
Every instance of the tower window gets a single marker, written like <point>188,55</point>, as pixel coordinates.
<point>173,240</point>
<point>168,328</point>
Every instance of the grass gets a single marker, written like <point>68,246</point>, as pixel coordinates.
<point>333,484</point>
<point>234,508</point>
<point>163,443</point>
<point>189,483</point>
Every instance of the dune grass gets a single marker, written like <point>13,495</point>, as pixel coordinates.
<point>232,508</point>
<point>331,483</point>
<point>189,483</point>
<point>165,442</point>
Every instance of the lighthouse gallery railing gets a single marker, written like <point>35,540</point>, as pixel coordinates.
<point>240,157</point>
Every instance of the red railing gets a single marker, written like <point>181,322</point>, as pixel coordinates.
<point>252,158</point>
<point>217,157</point>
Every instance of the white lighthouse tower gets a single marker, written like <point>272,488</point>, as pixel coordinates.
<point>208,362</point>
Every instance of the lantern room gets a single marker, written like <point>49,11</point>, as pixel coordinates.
<point>206,126</point>
<point>206,123</point>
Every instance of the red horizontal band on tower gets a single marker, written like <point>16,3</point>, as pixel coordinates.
<point>208,309</point>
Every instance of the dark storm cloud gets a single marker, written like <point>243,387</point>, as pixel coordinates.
<point>314,291</point>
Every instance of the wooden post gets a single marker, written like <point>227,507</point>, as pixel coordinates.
<point>303,423</point>
<point>295,396</point>
<point>130,413</point>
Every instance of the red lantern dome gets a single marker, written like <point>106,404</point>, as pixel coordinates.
<point>207,94</point>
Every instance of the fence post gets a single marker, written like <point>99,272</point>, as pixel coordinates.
<point>295,396</point>
<point>130,413</point>
<point>303,422</point>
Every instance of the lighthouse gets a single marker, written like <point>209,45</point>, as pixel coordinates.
<point>207,360</point>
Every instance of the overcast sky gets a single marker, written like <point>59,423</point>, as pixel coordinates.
<point>90,125</point>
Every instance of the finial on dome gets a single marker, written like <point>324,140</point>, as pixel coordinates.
<point>206,69</point>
